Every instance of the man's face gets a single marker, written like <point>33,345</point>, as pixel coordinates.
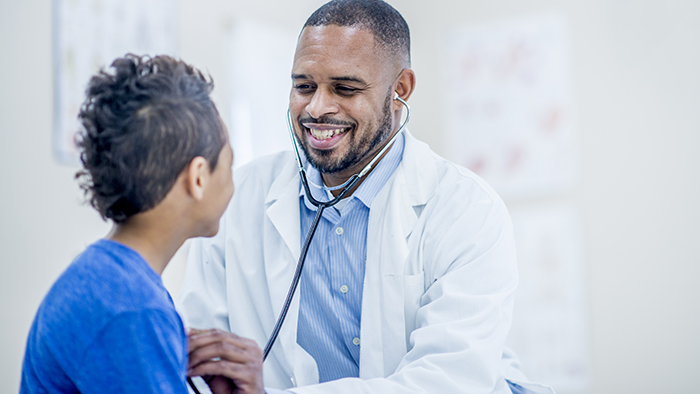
<point>341,97</point>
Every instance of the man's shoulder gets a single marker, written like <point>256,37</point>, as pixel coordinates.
<point>265,169</point>
<point>448,179</point>
<point>452,173</point>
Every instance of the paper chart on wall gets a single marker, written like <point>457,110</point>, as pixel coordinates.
<point>259,69</point>
<point>550,325</point>
<point>89,34</point>
<point>508,107</point>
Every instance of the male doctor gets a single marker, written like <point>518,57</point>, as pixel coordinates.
<point>408,284</point>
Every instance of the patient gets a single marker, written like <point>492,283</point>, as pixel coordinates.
<point>157,162</point>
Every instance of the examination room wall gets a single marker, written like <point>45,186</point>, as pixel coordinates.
<point>635,86</point>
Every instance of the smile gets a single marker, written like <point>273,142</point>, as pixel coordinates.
<point>326,134</point>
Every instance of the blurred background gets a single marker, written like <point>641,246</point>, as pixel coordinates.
<point>585,116</point>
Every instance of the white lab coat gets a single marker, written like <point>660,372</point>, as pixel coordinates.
<point>438,290</point>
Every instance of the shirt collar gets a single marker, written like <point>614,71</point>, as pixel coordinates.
<point>370,187</point>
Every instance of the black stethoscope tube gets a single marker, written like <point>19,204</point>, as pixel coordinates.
<point>295,282</point>
<point>320,206</point>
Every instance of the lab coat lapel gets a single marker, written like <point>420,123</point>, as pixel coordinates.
<point>394,211</point>
<point>282,203</point>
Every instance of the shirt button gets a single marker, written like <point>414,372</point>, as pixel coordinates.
<point>344,289</point>
<point>356,341</point>
<point>339,230</point>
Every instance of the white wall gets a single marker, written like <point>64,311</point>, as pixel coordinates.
<point>637,94</point>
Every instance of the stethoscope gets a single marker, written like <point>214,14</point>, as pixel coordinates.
<point>320,206</point>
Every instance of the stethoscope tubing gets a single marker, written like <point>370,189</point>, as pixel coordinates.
<point>295,282</point>
<point>320,206</point>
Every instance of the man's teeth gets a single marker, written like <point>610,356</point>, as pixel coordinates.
<point>325,134</point>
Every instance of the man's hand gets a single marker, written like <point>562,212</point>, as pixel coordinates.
<point>228,363</point>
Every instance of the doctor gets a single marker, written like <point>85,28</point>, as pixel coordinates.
<point>408,285</point>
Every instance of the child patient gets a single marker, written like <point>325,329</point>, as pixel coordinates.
<point>157,162</point>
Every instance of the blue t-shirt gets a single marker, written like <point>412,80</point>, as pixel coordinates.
<point>106,326</point>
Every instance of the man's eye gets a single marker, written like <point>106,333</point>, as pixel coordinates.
<point>304,88</point>
<point>346,90</point>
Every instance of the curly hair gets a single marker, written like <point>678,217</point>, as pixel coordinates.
<point>143,124</point>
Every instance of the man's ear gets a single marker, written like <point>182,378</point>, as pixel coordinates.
<point>404,85</point>
<point>196,177</point>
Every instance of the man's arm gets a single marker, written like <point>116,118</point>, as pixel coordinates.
<point>464,303</point>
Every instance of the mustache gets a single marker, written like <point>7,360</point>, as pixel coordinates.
<point>326,120</point>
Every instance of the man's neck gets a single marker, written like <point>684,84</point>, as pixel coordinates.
<point>338,178</point>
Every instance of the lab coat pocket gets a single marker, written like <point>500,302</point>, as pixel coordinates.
<point>413,290</point>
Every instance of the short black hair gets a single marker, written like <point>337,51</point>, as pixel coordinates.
<point>387,25</point>
<point>143,124</point>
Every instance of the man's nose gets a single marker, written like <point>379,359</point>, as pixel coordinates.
<point>322,104</point>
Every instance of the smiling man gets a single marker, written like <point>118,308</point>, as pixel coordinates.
<point>408,284</point>
<point>343,82</point>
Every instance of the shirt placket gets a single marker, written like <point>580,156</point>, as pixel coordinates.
<point>344,286</point>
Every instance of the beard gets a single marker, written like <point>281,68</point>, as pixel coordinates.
<point>324,161</point>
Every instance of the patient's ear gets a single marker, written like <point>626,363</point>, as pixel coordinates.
<point>196,177</point>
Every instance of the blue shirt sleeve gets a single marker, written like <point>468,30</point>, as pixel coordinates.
<point>140,352</point>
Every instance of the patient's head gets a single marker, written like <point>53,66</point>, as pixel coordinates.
<point>144,120</point>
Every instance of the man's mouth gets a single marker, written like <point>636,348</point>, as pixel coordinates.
<point>324,132</point>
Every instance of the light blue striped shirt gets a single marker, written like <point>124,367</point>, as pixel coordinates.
<point>334,272</point>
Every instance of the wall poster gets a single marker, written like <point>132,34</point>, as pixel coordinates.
<point>90,34</point>
<point>509,112</point>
